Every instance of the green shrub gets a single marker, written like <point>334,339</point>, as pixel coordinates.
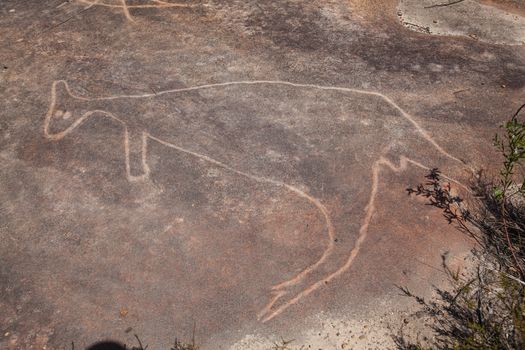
<point>484,308</point>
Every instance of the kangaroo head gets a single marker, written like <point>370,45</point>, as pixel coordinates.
<point>66,111</point>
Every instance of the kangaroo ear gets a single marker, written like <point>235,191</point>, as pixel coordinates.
<point>59,90</point>
<point>60,87</point>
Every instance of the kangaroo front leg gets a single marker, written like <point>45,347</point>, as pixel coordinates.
<point>135,148</point>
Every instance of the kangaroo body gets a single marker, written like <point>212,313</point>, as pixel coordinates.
<point>307,139</point>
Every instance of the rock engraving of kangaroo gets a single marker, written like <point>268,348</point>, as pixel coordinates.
<point>303,113</point>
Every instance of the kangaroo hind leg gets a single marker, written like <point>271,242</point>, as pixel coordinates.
<point>135,147</point>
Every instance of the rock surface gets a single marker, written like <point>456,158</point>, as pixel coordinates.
<point>468,18</point>
<point>235,166</point>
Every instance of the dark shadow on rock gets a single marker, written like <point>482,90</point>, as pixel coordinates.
<point>107,345</point>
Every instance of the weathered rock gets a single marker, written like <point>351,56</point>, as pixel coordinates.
<point>237,166</point>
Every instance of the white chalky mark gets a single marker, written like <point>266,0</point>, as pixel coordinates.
<point>125,7</point>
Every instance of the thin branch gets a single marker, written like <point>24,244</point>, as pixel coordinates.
<point>445,4</point>
<point>507,236</point>
<point>518,112</point>
<point>507,275</point>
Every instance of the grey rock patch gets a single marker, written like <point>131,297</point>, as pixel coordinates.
<point>467,18</point>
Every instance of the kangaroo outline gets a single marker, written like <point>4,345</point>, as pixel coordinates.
<point>279,291</point>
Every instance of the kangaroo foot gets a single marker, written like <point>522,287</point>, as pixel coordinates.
<point>284,297</point>
<point>269,310</point>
